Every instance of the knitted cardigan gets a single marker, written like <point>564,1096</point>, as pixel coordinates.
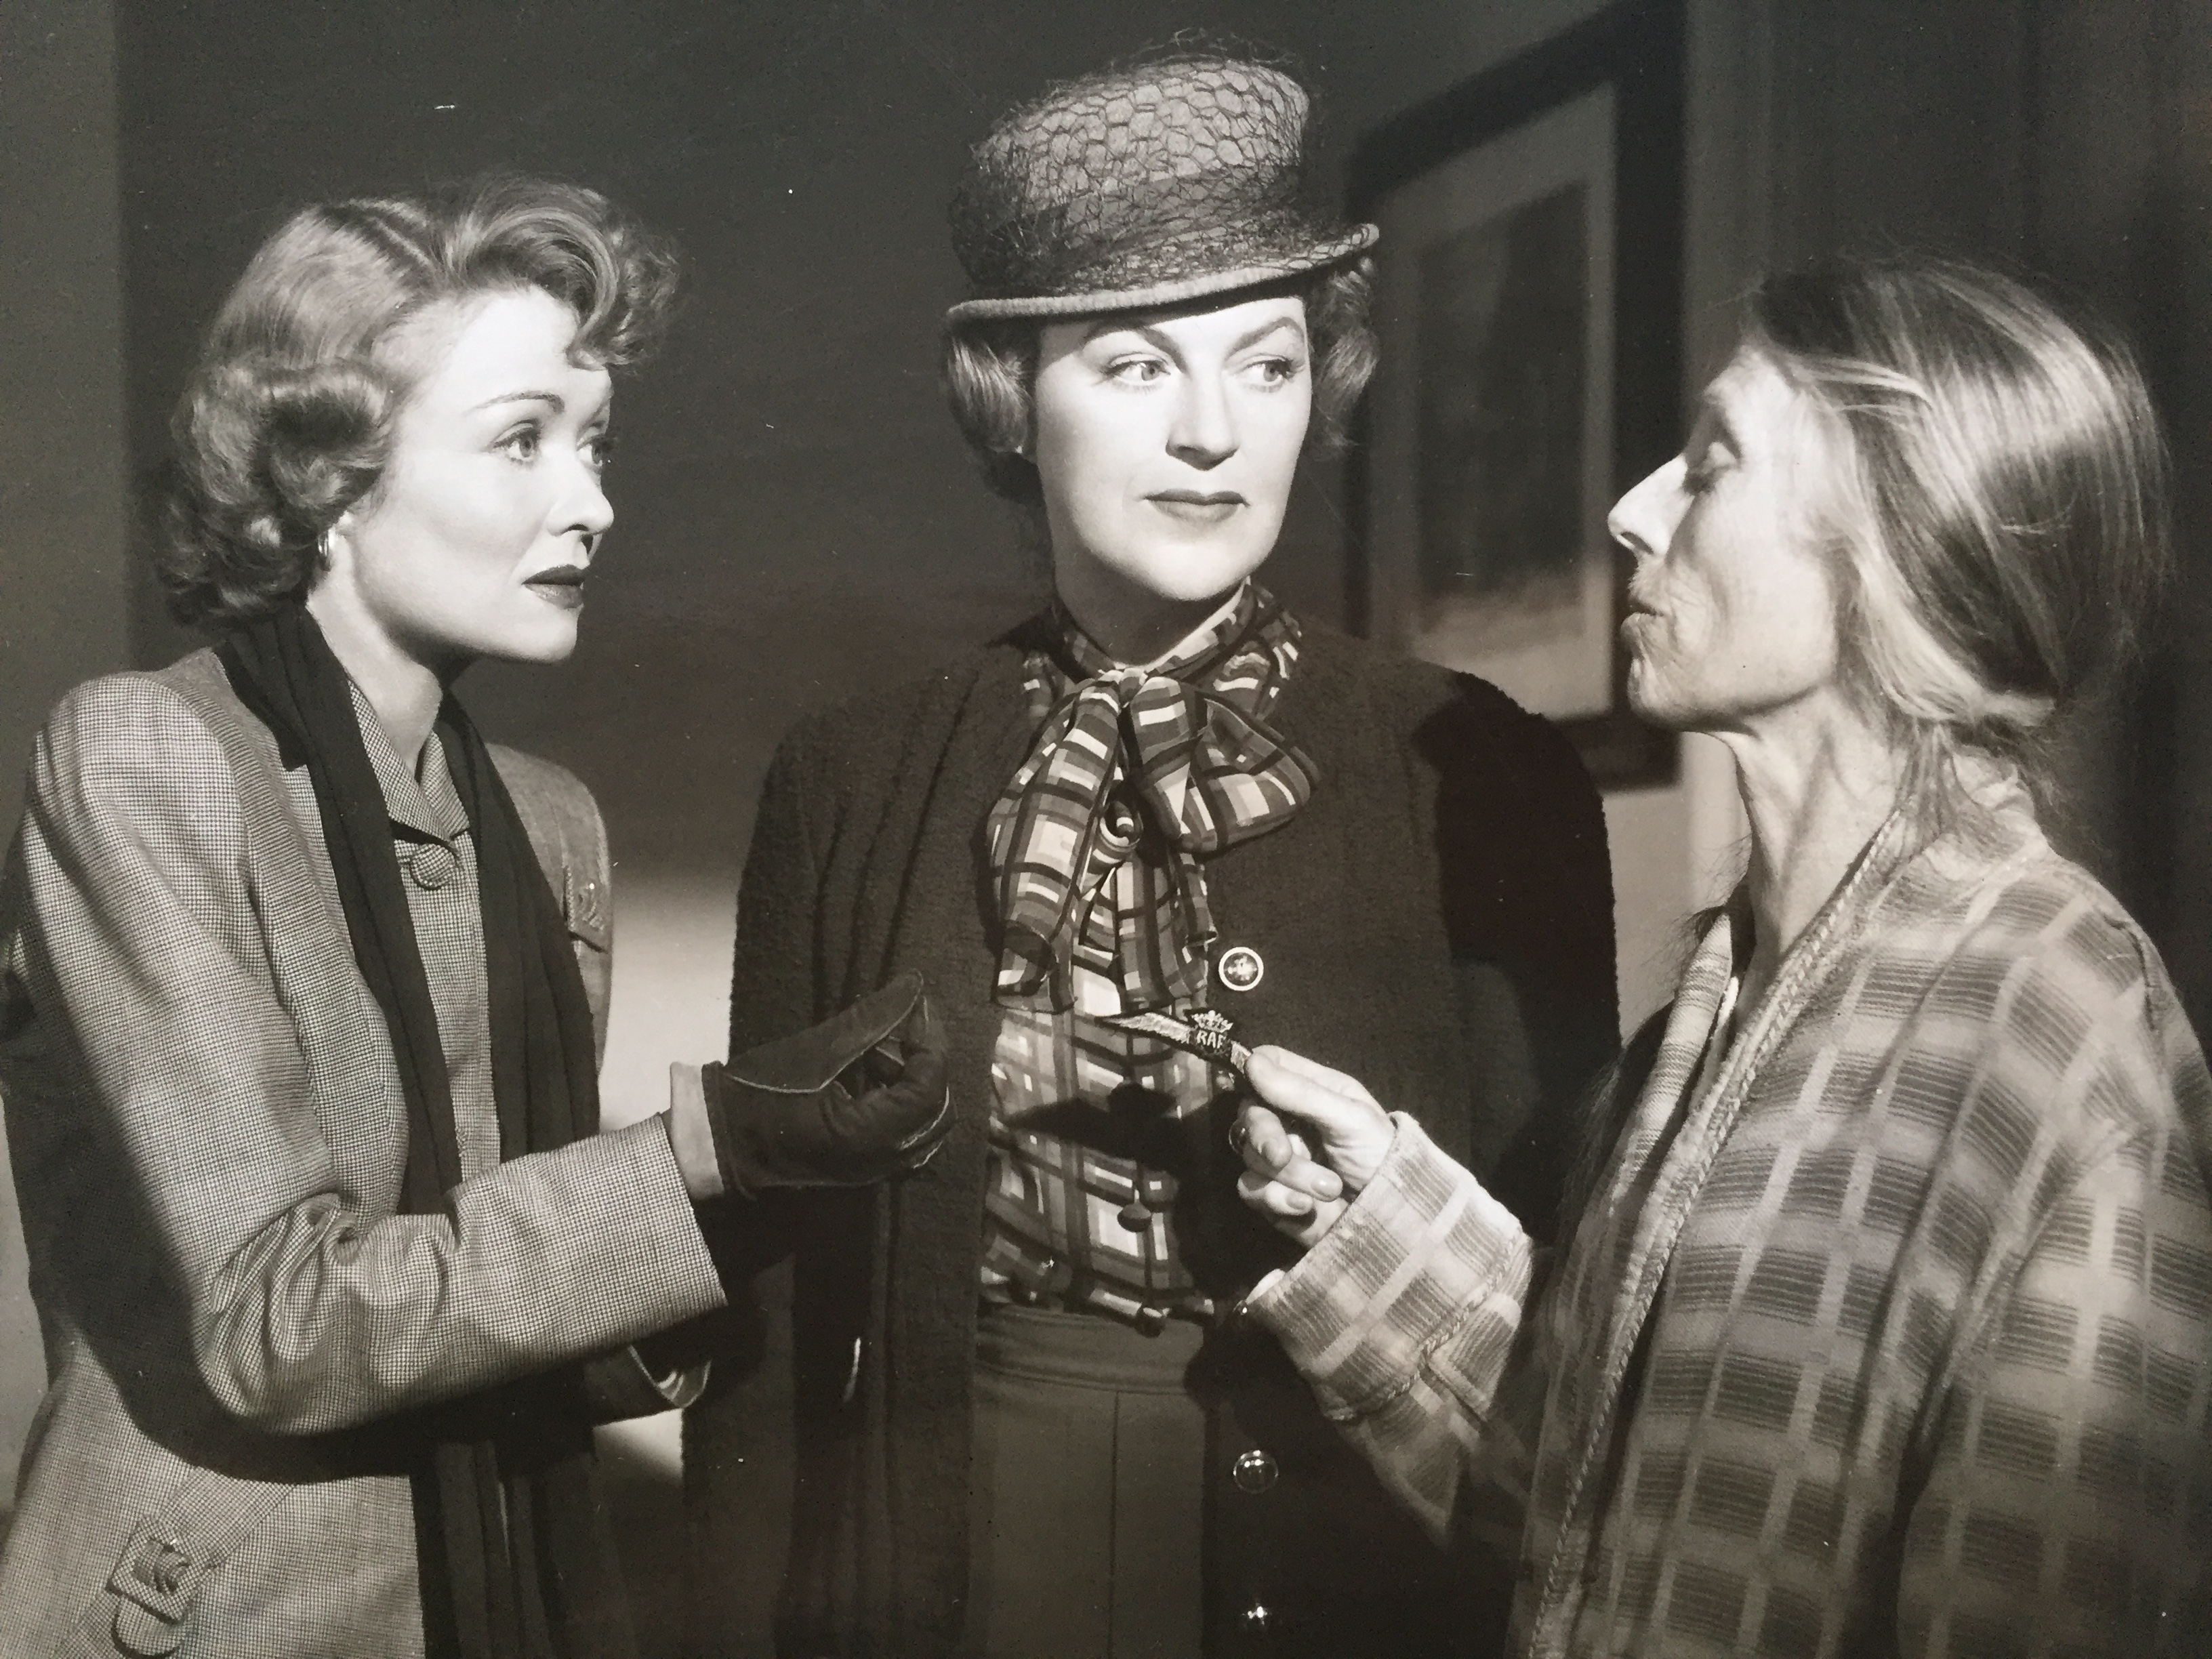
<point>1437,920</point>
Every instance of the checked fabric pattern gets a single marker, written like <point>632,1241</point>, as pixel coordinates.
<point>1136,776</point>
<point>1182,748</point>
<point>182,1019</point>
<point>1893,1334</point>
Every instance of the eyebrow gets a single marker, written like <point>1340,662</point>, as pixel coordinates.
<point>555,398</point>
<point>1152,333</point>
<point>1711,407</point>
<point>1265,329</point>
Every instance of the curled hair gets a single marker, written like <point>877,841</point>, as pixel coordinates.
<point>2001,520</point>
<point>288,418</point>
<point>988,371</point>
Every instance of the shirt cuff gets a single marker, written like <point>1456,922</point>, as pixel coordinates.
<point>1421,1251</point>
<point>624,1384</point>
<point>690,1135</point>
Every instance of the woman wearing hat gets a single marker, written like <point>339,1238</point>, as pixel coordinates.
<point>1160,820</point>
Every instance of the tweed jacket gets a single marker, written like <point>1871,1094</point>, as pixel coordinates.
<point>209,1138</point>
<point>1439,912</point>
<point>1893,1336</point>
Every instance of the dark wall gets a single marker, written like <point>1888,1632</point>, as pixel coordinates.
<point>64,588</point>
<point>2071,139</point>
<point>797,518</point>
<point>2169,254</point>
<point>62,583</point>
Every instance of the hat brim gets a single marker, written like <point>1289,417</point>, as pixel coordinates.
<point>1150,297</point>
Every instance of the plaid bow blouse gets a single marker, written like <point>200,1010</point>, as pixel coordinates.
<point>1181,749</point>
<point>1136,775</point>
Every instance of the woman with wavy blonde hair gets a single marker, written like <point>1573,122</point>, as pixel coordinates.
<point>301,990</point>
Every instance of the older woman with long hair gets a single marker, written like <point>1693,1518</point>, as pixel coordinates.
<point>299,989</point>
<point>1885,1319</point>
<point>1163,808</point>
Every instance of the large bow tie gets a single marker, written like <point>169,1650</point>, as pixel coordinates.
<point>1181,752</point>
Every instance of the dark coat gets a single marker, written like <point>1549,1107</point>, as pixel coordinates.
<point>1437,920</point>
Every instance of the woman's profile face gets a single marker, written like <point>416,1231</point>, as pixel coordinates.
<point>1166,443</point>
<point>1732,608</point>
<point>476,541</point>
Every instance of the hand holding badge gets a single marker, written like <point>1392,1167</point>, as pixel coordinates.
<point>1283,1180</point>
<point>1303,1179</point>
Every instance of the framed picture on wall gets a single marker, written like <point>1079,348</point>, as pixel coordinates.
<point>1529,304</point>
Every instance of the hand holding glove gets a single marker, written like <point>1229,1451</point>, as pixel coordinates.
<point>853,1101</point>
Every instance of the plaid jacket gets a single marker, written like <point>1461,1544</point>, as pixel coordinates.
<point>1892,1333</point>
<point>209,1138</point>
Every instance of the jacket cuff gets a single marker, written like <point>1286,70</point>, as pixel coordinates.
<point>1419,1254</point>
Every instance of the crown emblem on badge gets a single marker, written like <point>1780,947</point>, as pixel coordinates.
<point>1209,1033</point>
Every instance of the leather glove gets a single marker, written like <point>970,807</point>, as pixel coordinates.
<point>854,1100</point>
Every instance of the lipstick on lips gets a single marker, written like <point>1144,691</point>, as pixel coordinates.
<point>1197,506</point>
<point>560,584</point>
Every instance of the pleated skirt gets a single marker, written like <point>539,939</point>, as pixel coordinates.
<point>1087,1489</point>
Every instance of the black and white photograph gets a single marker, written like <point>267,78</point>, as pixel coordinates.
<point>1201,830</point>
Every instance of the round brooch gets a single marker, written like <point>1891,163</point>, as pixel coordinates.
<point>1240,967</point>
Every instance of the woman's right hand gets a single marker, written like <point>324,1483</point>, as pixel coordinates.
<point>783,1116</point>
<point>1303,1191</point>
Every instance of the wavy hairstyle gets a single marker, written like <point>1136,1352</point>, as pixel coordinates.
<point>288,418</point>
<point>2001,520</point>
<point>989,372</point>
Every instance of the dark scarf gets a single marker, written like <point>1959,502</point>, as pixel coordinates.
<point>516,1556</point>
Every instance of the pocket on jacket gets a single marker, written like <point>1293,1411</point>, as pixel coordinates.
<point>150,1597</point>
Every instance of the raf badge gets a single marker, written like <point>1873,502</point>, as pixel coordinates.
<point>1205,1034</point>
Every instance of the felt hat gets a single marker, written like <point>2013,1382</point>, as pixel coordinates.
<point>1144,186</point>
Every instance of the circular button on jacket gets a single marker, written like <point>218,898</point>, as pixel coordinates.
<point>433,867</point>
<point>1240,967</point>
<point>1254,1471</point>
